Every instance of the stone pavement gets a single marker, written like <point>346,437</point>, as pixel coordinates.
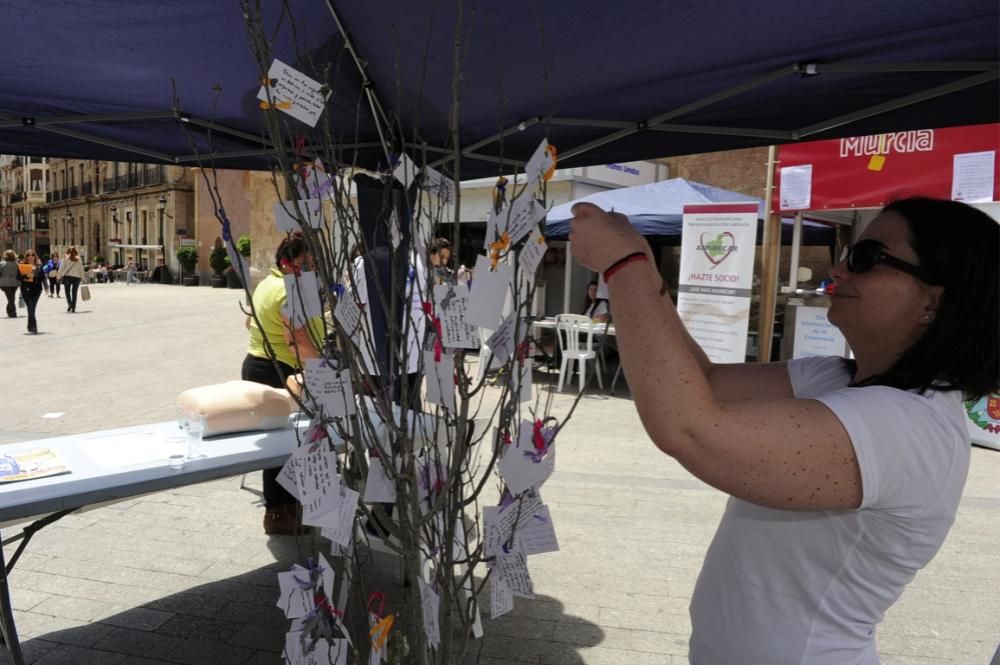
<point>187,576</point>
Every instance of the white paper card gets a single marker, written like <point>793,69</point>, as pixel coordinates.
<point>539,164</point>
<point>430,604</point>
<point>302,303</point>
<point>501,598</point>
<point>521,217</point>
<point>451,305</point>
<point>319,484</point>
<point>286,219</point>
<point>531,254</point>
<point>520,467</point>
<point>513,568</point>
<point>405,171</point>
<point>489,289</point>
<point>293,600</point>
<point>439,377</point>
<point>338,525</point>
<point>379,488</point>
<point>796,187</point>
<point>538,535</point>
<point>437,183</point>
<point>348,313</point>
<point>329,388</point>
<point>501,342</point>
<point>972,177</point>
<point>294,93</point>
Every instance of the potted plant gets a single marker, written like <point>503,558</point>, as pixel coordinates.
<point>219,262</point>
<point>187,256</point>
<point>243,247</point>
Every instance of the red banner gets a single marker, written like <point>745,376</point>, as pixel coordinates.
<point>871,171</point>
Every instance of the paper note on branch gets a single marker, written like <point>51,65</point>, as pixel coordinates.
<point>531,255</point>
<point>489,289</point>
<point>302,298</point>
<point>440,377</point>
<point>295,598</point>
<point>329,388</point>
<point>541,165</point>
<point>291,91</point>
<point>523,467</point>
<point>288,215</point>
<point>451,306</point>
<point>521,218</point>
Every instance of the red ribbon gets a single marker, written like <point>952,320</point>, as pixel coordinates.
<point>285,263</point>
<point>380,598</point>
<point>537,438</point>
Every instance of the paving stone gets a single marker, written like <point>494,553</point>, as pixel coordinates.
<point>139,618</point>
<point>59,629</point>
<point>26,599</point>
<point>66,654</point>
<point>268,637</point>
<point>189,603</point>
<point>136,642</point>
<point>31,649</point>
<point>266,658</point>
<point>81,609</point>
<point>200,652</point>
<point>210,629</point>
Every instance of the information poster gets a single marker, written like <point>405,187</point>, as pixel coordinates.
<point>716,277</point>
<point>815,335</point>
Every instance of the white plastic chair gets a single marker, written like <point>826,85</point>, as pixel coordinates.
<point>569,329</point>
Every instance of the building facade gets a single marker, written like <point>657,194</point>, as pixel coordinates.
<point>23,186</point>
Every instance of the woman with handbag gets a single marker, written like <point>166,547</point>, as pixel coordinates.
<point>71,274</point>
<point>30,275</point>
<point>9,280</point>
<point>52,272</point>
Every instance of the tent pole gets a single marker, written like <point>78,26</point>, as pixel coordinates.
<point>567,278</point>
<point>793,269</point>
<point>769,265</point>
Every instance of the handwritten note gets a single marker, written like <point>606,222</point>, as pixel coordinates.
<point>439,376</point>
<point>531,255</point>
<point>438,184</point>
<point>539,164</point>
<point>451,305</point>
<point>294,600</point>
<point>521,217</point>
<point>430,603</point>
<point>405,171</point>
<point>318,483</point>
<point>302,298</point>
<point>489,290</point>
<point>288,214</point>
<point>348,313</point>
<point>513,569</point>
<point>293,92</point>
<point>538,535</point>
<point>501,342</point>
<point>501,598</point>
<point>329,388</point>
<point>338,525</point>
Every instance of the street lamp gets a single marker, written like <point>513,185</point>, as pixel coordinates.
<point>161,206</point>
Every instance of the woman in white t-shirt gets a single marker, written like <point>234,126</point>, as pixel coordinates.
<point>596,308</point>
<point>844,477</point>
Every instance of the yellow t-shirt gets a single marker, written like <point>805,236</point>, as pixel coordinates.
<point>268,299</point>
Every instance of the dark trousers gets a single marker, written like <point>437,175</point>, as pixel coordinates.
<point>72,285</point>
<point>31,300</point>
<point>261,370</point>
<point>54,285</point>
<point>11,293</point>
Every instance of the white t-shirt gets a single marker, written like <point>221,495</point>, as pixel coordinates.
<point>808,588</point>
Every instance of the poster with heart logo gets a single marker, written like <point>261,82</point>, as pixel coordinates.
<point>716,276</point>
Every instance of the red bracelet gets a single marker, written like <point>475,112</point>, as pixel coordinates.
<point>622,262</point>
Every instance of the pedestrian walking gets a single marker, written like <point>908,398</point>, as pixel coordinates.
<point>71,274</point>
<point>130,274</point>
<point>9,282</point>
<point>32,285</point>
<point>53,275</point>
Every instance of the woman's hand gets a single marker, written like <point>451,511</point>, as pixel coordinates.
<point>598,238</point>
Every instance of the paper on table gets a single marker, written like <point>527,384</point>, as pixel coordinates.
<point>501,598</point>
<point>294,93</point>
<point>293,600</point>
<point>972,176</point>
<point>430,604</point>
<point>489,289</point>
<point>329,388</point>
<point>451,304</point>
<point>378,487</point>
<point>302,303</point>
<point>538,535</point>
<point>118,451</point>
<point>539,164</point>
<point>439,377</point>
<point>286,218</point>
<point>796,187</point>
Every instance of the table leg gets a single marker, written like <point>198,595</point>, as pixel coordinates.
<point>7,628</point>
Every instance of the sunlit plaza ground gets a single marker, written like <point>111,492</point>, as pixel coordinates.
<point>187,576</point>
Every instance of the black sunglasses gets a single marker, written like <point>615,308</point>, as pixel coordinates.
<point>863,255</point>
